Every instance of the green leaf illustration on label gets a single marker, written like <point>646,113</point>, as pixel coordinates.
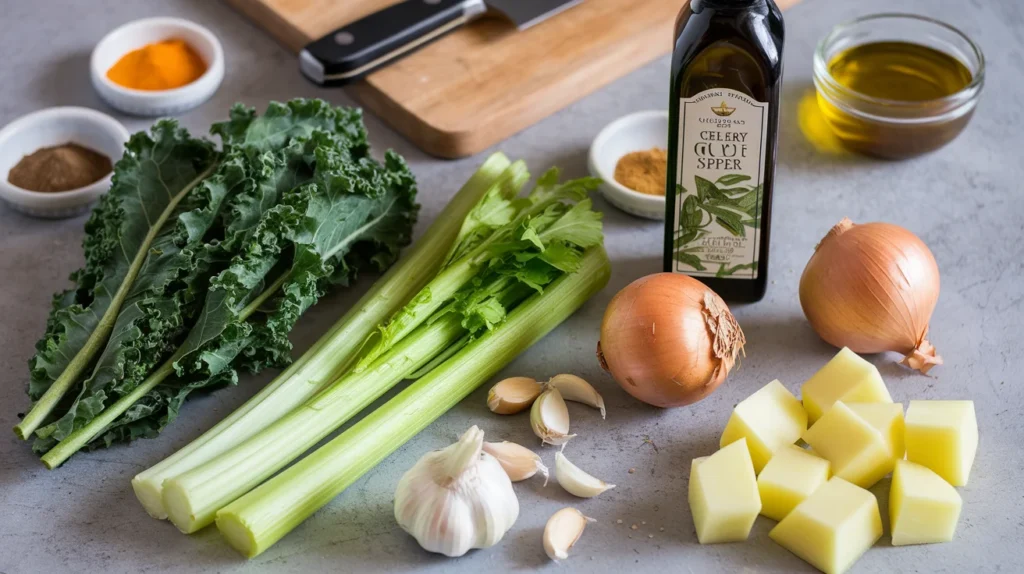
<point>730,179</point>
<point>727,204</point>
<point>706,190</point>
<point>724,271</point>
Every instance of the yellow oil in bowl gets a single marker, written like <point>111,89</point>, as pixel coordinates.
<point>897,98</point>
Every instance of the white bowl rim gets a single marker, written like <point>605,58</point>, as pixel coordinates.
<point>205,33</point>
<point>607,133</point>
<point>99,118</point>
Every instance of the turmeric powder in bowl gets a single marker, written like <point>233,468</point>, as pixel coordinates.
<point>644,171</point>
<point>163,65</point>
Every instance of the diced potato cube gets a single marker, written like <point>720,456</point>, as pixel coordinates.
<point>723,495</point>
<point>923,508</point>
<point>769,419</point>
<point>847,377</point>
<point>888,419</point>
<point>943,435</point>
<point>858,451</point>
<point>788,478</point>
<point>832,528</point>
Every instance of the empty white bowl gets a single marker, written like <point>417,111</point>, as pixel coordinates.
<point>635,132</point>
<point>52,127</point>
<point>135,35</point>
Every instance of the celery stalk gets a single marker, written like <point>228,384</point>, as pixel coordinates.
<point>193,498</point>
<point>257,520</point>
<point>327,358</point>
<point>440,289</point>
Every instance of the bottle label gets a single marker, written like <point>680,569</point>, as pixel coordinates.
<point>721,163</point>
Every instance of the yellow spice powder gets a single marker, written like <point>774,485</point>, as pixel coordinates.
<point>159,66</point>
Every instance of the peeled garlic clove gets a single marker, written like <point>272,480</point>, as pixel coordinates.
<point>513,395</point>
<point>549,418</point>
<point>576,389</point>
<point>518,461</point>
<point>576,481</point>
<point>563,529</point>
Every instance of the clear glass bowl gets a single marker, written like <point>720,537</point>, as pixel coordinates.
<point>896,129</point>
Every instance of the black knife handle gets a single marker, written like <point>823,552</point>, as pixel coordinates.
<point>361,47</point>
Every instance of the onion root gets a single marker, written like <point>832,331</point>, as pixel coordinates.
<point>923,357</point>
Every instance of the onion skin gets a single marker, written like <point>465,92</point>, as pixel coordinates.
<point>668,340</point>
<point>872,288</point>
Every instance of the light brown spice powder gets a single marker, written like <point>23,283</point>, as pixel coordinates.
<point>644,171</point>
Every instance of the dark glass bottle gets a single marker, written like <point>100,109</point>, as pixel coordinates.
<point>723,127</point>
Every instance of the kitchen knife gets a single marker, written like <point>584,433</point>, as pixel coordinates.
<point>361,47</point>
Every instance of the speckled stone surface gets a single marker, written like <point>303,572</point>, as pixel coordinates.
<point>965,201</point>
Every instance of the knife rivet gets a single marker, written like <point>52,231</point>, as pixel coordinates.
<point>344,38</point>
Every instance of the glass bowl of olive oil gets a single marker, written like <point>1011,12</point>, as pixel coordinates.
<point>897,85</point>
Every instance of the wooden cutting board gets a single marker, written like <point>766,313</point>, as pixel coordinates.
<point>482,83</point>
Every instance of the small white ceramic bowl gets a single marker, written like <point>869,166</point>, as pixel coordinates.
<point>635,132</point>
<point>137,34</point>
<point>51,127</point>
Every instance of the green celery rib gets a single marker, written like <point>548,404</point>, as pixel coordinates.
<point>193,498</point>
<point>326,359</point>
<point>257,520</point>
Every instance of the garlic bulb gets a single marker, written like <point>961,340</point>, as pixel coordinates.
<point>456,498</point>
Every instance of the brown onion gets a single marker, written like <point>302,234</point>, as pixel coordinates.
<point>668,340</point>
<point>873,288</point>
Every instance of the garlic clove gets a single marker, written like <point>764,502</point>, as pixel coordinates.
<point>576,389</point>
<point>518,461</point>
<point>513,395</point>
<point>562,531</point>
<point>576,481</point>
<point>549,418</point>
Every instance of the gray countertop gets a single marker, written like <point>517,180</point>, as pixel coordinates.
<point>965,201</point>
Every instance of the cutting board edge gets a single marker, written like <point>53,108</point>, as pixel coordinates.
<point>447,143</point>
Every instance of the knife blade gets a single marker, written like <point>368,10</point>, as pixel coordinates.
<point>358,48</point>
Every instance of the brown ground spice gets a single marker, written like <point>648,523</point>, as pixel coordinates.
<point>59,168</point>
<point>643,171</point>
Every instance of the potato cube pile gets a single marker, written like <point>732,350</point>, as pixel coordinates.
<point>855,435</point>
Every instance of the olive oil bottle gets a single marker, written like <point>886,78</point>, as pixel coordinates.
<point>723,127</point>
